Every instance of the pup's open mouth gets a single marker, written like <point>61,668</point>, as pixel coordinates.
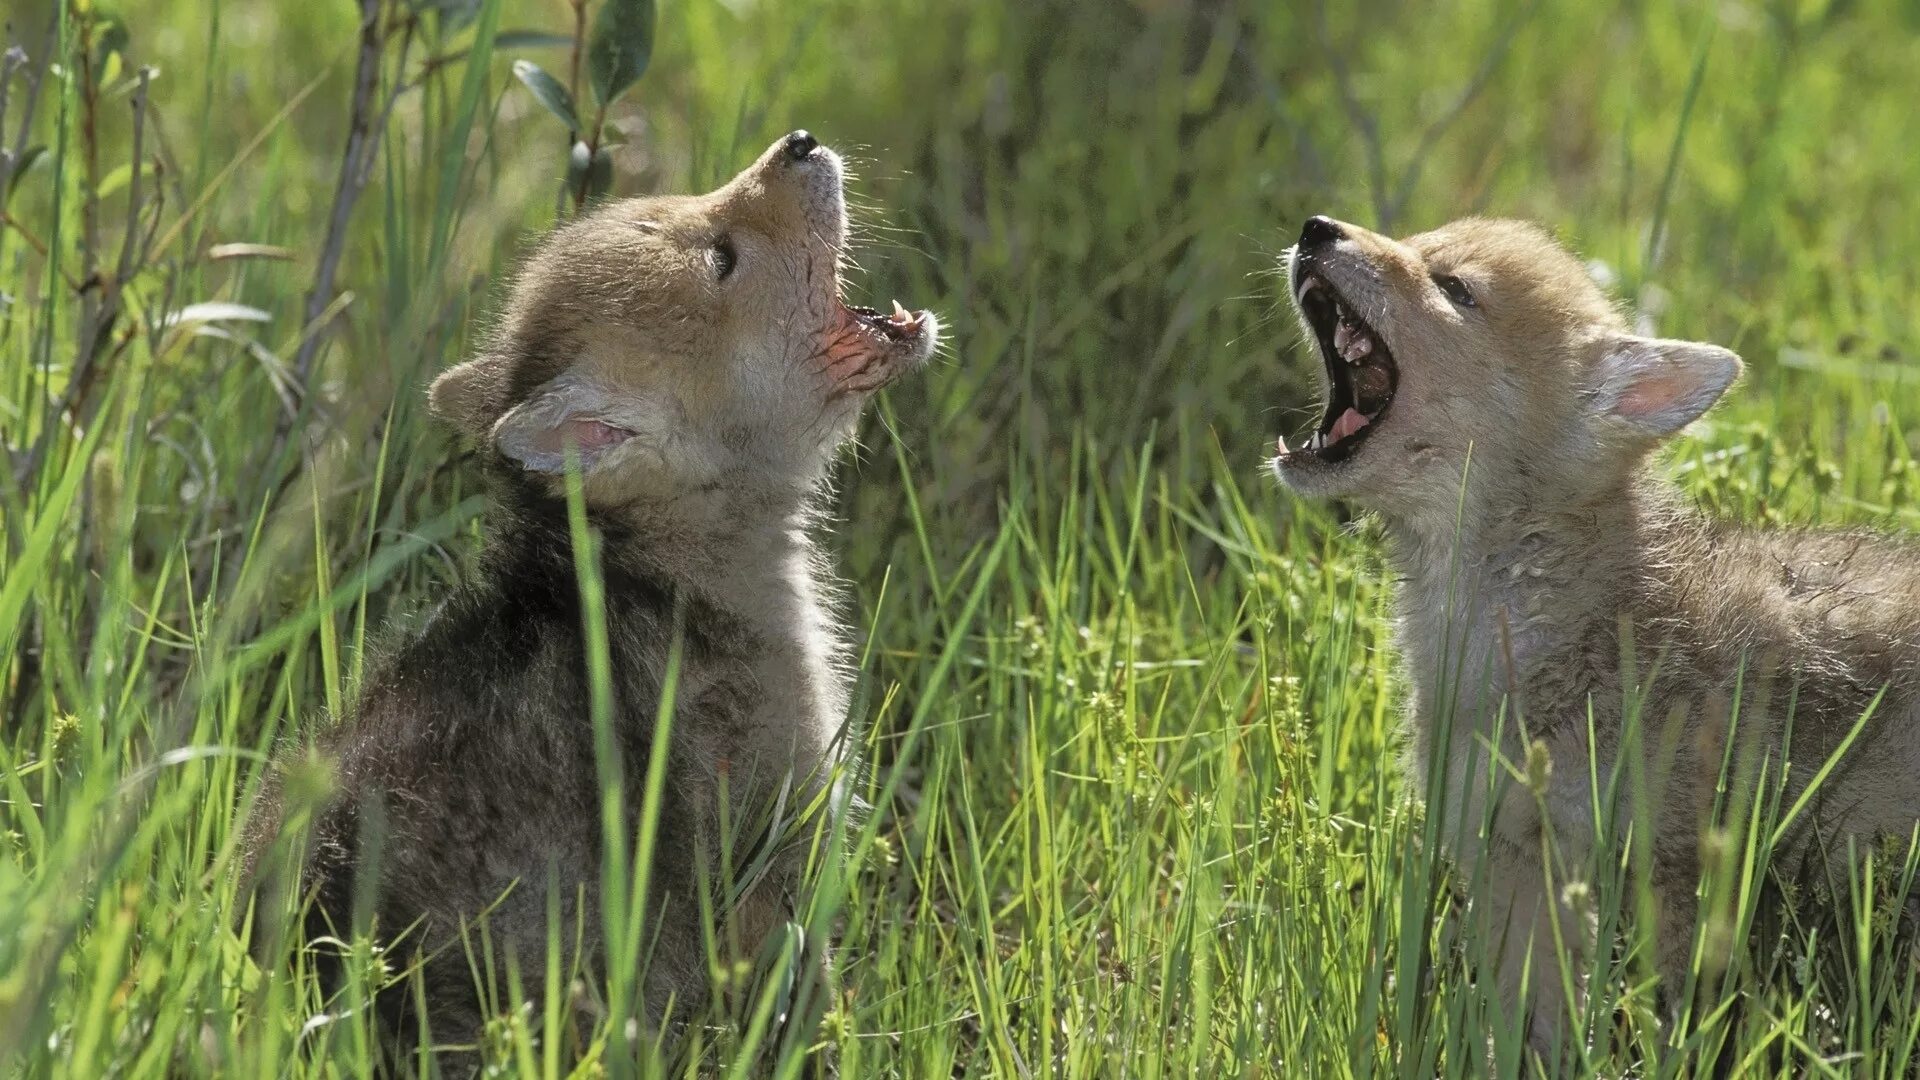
<point>868,349</point>
<point>900,327</point>
<point>1361,375</point>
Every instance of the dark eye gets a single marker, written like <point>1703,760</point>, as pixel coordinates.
<point>724,258</point>
<point>1455,289</point>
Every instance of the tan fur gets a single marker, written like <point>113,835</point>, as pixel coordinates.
<point>703,406</point>
<point>1510,473</point>
<point>738,392</point>
<point>762,368</point>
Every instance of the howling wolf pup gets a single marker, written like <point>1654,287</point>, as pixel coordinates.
<point>1489,404</point>
<point>694,356</point>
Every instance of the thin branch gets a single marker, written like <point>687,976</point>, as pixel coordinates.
<point>1389,201</point>
<point>579,47</point>
<point>573,88</point>
<point>361,144</point>
<point>104,306</point>
<point>36,81</point>
<point>11,61</point>
<point>1431,136</point>
<point>367,121</point>
<point>1357,113</point>
<point>130,243</point>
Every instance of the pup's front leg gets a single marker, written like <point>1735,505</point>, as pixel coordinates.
<point>1534,942</point>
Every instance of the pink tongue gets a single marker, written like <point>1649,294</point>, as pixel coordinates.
<point>1349,422</point>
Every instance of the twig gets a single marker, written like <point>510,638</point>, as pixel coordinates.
<point>367,121</point>
<point>573,88</point>
<point>593,150</point>
<point>36,80</point>
<point>1431,135</point>
<point>11,61</point>
<point>579,46</point>
<point>353,177</point>
<point>103,304</point>
<point>402,87</point>
<point>90,196</point>
<point>1357,113</point>
<point>1389,202</point>
<point>132,247</point>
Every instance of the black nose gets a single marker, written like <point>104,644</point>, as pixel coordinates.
<point>1318,232</point>
<point>800,144</point>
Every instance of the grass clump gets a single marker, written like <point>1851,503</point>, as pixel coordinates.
<point>1130,710</point>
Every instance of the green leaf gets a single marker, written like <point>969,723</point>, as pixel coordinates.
<point>216,311</point>
<point>109,37</point>
<point>548,90</point>
<point>121,175</point>
<point>621,46</point>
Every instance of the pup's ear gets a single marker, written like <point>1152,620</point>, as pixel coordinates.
<point>471,396</point>
<point>1656,386</point>
<point>568,411</point>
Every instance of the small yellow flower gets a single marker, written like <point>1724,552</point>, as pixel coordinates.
<point>1539,767</point>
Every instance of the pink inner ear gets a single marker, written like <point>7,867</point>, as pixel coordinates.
<point>1653,394</point>
<point>593,434</point>
<point>586,435</point>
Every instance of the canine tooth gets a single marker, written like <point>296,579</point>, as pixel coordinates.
<point>1283,446</point>
<point>901,316</point>
<point>1341,335</point>
<point>1356,350</point>
<point>1307,286</point>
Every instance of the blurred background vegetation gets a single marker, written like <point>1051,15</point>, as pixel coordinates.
<point>1131,713</point>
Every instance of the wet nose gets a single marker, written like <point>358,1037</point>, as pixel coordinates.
<point>800,144</point>
<point>1319,231</point>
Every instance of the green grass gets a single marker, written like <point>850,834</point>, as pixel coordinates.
<point>1131,711</point>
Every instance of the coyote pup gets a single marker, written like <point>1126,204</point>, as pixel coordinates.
<point>694,355</point>
<point>1491,406</point>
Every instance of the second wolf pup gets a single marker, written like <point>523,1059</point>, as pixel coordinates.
<point>694,356</point>
<point>1492,407</point>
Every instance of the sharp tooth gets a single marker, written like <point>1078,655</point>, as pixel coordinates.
<point>900,314</point>
<point>1311,283</point>
<point>1341,335</point>
<point>1358,349</point>
<point>1283,446</point>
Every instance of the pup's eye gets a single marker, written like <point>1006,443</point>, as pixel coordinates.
<point>1455,289</point>
<point>724,258</point>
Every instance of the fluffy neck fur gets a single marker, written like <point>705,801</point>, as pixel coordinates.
<point>739,547</point>
<point>722,537</point>
<point>1487,597</point>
